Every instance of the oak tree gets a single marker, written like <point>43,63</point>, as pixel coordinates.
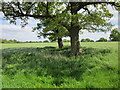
<point>74,16</point>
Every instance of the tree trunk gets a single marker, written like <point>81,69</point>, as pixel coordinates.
<point>75,44</point>
<point>60,43</point>
<point>74,31</point>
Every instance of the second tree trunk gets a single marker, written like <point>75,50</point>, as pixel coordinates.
<point>60,43</point>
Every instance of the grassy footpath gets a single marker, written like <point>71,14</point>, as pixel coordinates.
<point>42,65</point>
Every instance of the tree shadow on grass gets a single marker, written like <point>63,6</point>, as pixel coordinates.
<point>48,61</point>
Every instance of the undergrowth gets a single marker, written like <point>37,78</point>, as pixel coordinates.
<point>50,67</point>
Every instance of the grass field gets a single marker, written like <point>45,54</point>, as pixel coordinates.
<point>43,65</point>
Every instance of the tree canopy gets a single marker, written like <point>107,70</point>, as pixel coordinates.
<point>115,35</point>
<point>102,40</point>
<point>54,32</point>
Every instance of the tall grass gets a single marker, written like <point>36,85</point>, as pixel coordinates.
<point>50,67</point>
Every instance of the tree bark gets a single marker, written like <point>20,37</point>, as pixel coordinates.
<point>74,31</point>
<point>60,43</point>
<point>75,44</point>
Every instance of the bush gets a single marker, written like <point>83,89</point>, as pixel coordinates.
<point>102,40</point>
<point>46,41</point>
<point>65,40</point>
<point>115,35</point>
<point>91,40</point>
<point>86,40</point>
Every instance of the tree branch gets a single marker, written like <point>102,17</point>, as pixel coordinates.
<point>19,12</point>
<point>30,8</point>
<point>86,9</point>
<point>34,16</point>
<point>19,7</point>
<point>48,34</point>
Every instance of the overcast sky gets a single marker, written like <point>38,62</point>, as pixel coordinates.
<point>11,31</point>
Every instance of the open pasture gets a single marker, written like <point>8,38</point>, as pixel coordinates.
<point>43,65</point>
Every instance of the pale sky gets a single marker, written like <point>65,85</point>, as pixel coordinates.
<point>11,31</point>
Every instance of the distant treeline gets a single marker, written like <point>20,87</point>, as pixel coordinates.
<point>16,41</point>
<point>65,40</point>
<point>100,40</point>
<point>9,41</point>
<point>89,40</point>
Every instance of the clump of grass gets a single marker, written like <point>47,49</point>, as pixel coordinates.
<point>50,67</point>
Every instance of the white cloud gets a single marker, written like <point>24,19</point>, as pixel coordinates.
<point>1,14</point>
<point>112,9</point>
<point>18,33</point>
<point>114,19</point>
<point>94,36</point>
<point>116,26</point>
<point>97,35</point>
<point>32,22</point>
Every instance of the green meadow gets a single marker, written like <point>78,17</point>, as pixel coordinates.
<point>43,65</point>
